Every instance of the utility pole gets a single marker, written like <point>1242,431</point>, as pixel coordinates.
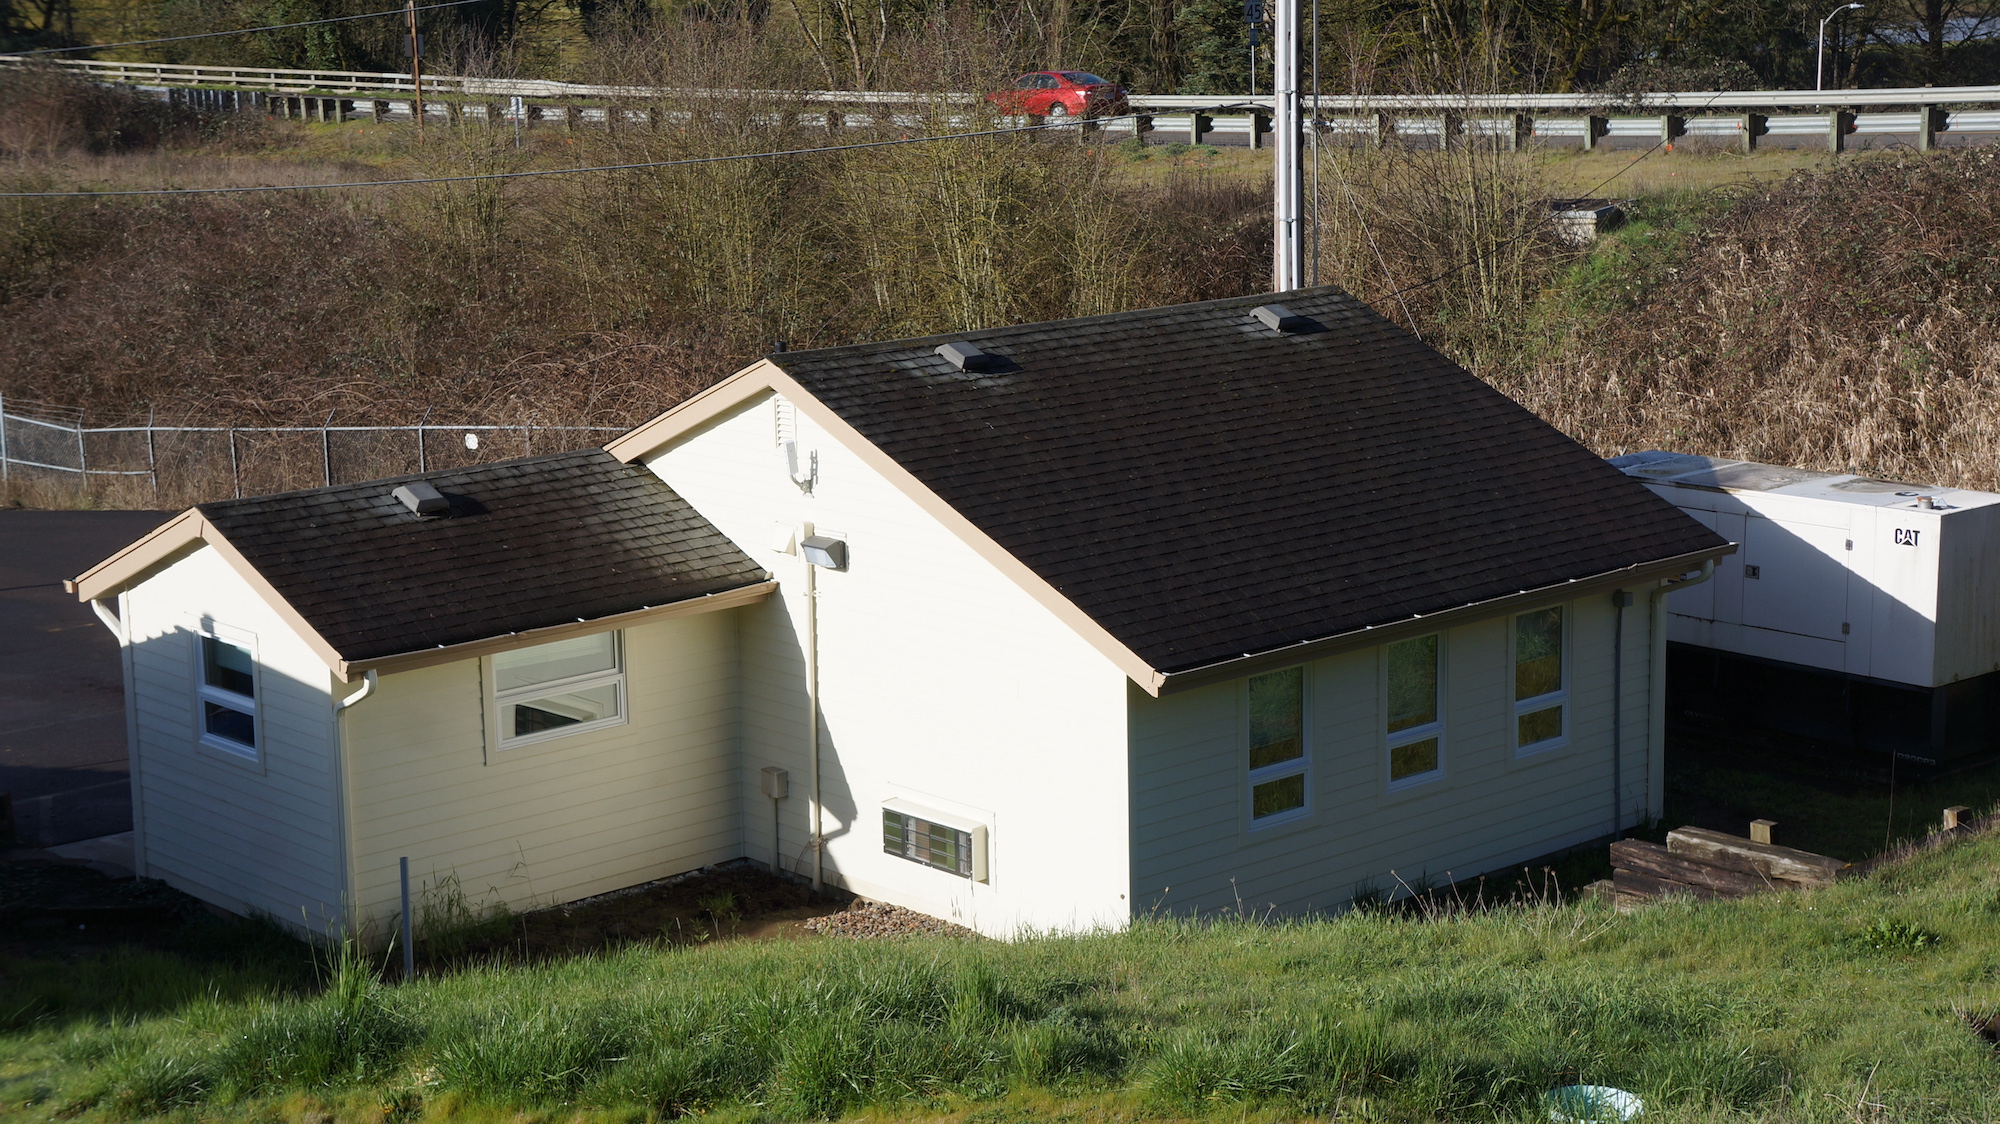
<point>416,46</point>
<point>1287,171</point>
<point>1253,14</point>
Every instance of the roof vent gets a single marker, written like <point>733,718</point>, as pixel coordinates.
<point>422,498</point>
<point>1278,318</point>
<point>966,357</point>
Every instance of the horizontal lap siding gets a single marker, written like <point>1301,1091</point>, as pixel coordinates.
<point>262,838</point>
<point>1190,833</point>
<point>942,682</point>
<point>557,820</point>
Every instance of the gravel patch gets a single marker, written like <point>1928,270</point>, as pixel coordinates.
<point>878,920</point>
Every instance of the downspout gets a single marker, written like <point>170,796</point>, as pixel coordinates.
<point>116,623</point>
<point>1656,696</point>
<point>342,799</point>
<point>1621,599</point>
<point>812,712</point>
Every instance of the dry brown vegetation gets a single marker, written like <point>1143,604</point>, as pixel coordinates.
<point>1839,320</point>
<point>596,298</point>
<point>1842,320</point>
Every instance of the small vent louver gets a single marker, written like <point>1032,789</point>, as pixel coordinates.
<point>422,499</point>
<point>1278,318</point>
<point>966,357</point>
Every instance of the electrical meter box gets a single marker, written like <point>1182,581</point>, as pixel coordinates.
<point>1873,582</point>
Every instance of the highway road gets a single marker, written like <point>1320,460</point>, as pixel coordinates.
<point>62,695</point>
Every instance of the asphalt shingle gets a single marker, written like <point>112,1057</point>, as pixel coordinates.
<point>528,543</point>
<point>1205,487</point>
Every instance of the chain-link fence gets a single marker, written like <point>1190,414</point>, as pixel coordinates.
<point>48,455</point>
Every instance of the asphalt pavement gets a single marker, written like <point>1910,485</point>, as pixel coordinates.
<point>62,693</point>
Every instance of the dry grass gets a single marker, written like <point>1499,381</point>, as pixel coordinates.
<point>1842,320</point>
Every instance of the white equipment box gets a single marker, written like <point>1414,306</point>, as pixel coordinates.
<point>1897,583</point>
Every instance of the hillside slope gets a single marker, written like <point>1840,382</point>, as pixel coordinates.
<point>1842,320</point>
<point>1859,1002</point>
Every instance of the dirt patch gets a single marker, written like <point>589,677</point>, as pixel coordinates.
<point>735,901</point>
<point>876,920</point>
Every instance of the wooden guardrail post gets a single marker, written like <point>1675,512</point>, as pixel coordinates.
<point>1751,126</point>
<point>1595,128</point>
<point>1385,129</point>
<point>1931,120</point>
<point>1839,123</point>
<point>1451,127</point>
<point>1199,126</point>
<point>1671,127</point>
<point>1521,133</point>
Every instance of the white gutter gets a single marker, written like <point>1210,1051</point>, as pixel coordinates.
<point>343,800</point>
<point>110,619</point>
<point>1656,695</point>
<point>812,709</point>
<point>367,688</point>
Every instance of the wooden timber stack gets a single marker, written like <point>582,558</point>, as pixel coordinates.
<point>1705,865</point>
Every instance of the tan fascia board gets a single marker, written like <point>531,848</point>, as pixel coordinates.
<point>431,657</point>
<point>184,531</point>
<point>696,412</point>
<point>766,375</point>
<point>1295,654</point>
<point>142,554</point>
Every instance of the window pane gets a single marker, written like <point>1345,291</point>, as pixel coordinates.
<point>1413,683</point>
<point>1282,795</point>
<point>227,666</point>
<point>546,663</point>
<point>892,833</point>
<point>1540,726</point>
<point>1538,656</point>
<point>1414,759</point>
<point>1277,717</point>
<point>224,722</point>
<point>552,712</point>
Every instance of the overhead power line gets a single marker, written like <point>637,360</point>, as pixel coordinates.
<point>481,176</point>
<point>242,30</point>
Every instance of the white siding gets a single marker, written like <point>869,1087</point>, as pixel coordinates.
<point>1193,848</point>
<point>557,820</point>
<point>254,837</point>
<point>942,684</point>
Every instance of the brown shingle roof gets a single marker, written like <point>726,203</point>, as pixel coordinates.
<point>1205,487</point>
<point>529,543</point>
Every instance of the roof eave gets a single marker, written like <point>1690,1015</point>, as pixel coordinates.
<point>183,533</point>
<point>1256,663</point>
<point>349,670</point>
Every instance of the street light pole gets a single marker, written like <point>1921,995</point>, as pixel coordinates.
<point>1819,70</point>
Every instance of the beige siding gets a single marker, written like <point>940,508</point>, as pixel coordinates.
<point>943,684</point>
<point>557,820</point>
<point>1193,848</point>
<point>255,837</point>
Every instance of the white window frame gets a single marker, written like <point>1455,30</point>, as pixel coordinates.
<point>242,704</point>
<point>1299,766</point>
<point>1556,698</point>
<point>497,699</point>
<point>1394,740</point>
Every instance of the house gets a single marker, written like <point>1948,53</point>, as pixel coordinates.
<point>1041,627</point>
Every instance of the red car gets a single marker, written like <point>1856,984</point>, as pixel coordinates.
<point>1056,94</point>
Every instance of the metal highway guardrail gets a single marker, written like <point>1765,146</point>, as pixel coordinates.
<point>1660,116</point>
<point>345,81</point>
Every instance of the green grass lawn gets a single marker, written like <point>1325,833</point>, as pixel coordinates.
<point>1842,1005</point>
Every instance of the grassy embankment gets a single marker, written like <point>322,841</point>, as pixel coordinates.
<point>1842,1005</point>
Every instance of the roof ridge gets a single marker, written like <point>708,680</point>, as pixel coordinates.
<point>331,490</point>
<point>1315,291</point>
